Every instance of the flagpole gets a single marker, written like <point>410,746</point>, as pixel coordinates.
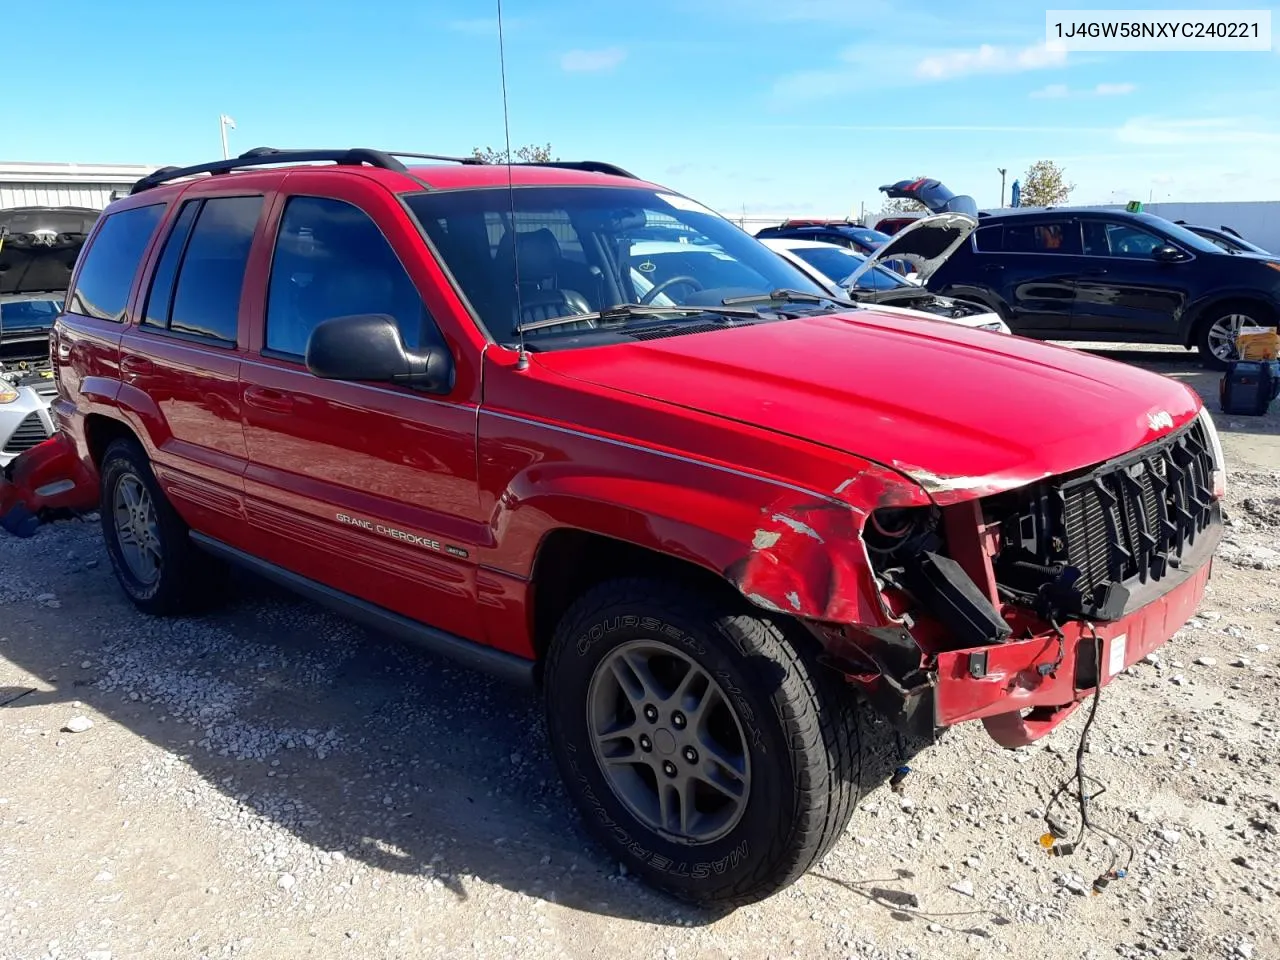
<point>223,122</point>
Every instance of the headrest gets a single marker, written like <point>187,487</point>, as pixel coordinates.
<point>537,252</point>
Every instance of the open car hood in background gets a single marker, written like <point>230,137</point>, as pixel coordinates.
<point>933,195</point>
<point>39,246</point>
<point>925,244</point>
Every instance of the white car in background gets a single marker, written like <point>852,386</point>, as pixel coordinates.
<point>925,244</point>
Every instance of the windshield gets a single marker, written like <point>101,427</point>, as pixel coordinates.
<point>872,239</point>
<point>838,264</point>
<point>582,250</point>
<point>27,315</point>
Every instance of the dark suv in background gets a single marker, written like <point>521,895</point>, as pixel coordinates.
<point>1082,274</point>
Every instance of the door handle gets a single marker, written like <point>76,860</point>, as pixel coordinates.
<point>134,365</point>
<point>1095,272</point>
<point>273,401</point>
<point>993,267</point>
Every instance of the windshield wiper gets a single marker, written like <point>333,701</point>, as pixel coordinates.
<point>628,311</point>
<point>788,296</point>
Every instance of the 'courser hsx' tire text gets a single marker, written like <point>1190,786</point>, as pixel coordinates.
<point>706,749</point>
<point>158,567</point>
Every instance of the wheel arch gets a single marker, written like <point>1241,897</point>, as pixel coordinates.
<point>100,431</point>
<point>570,561</point>
<point>1201,313</point>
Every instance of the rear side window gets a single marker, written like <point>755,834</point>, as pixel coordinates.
<point>160,299</point>
<point>206,301</point>
<point>331,260</point>
<point>1055,236</point>
<point>989,239</point>
<point>102,288</point>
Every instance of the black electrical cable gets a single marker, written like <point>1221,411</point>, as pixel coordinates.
<point>1080,778</point>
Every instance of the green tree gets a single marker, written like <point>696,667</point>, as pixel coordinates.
<point>1045,185</point>
<point>530,153</point>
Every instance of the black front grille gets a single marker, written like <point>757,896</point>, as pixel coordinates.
<point>29,432</point>
<point>1131,518</point>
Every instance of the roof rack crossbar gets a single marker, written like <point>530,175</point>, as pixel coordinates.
<point>590,166</point>
<point>435,156</point>
<point>263,156</point>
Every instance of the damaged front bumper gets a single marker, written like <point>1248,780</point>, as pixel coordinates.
<point>41,482</point>
<point>1023,687</point>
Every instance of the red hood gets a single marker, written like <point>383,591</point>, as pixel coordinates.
<point>962,412</point>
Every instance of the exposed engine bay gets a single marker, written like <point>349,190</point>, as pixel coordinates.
<point>920,299</point>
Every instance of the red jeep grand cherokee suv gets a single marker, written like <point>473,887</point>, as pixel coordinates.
<point>701,507</point>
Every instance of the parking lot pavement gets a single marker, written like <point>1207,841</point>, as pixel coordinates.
<point>271,781</point>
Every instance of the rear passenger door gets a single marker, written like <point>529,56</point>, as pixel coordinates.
<point>367,488</point>
<point>180,361</point>
<point>1036,271</point>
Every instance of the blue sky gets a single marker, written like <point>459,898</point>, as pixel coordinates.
<point>779,106</point>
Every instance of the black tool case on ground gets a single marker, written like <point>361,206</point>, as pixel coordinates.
<point>1249,386</point>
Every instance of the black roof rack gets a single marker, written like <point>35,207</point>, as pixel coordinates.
<point>591,166</point>
<point>263,156</point>
<point>355,156</point>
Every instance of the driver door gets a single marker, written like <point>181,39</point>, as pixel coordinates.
<point>1122,289</point>
<point>367,489</point>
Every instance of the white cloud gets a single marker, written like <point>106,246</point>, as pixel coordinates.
<point>592,61</point>
<point>870,65</point>
<point>1060,91</point>
<point>1054,91</point>
<point>1209,131</point>
<point>953,64</point>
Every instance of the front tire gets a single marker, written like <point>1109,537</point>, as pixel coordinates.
<point>1217,331</point>
<point>149,545</point>
<point>710,753</point>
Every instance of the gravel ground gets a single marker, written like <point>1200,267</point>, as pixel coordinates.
<point>271,781</point>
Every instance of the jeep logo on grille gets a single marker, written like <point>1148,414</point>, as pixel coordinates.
<point>1159,420</point>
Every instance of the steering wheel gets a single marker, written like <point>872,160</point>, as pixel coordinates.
<point>690,281</point>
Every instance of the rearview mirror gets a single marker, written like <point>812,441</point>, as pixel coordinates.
<point>368,347</point>
<point>1167,253</point>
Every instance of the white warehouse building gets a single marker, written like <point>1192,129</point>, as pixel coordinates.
<point>66,184</point>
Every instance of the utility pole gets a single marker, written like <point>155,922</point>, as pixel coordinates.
<point>223,122</point>
<point>1002,171</point>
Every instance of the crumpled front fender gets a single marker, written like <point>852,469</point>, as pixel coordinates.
<point>807,557</point>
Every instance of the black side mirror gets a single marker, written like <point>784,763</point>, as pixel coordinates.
<point>368,347</point>
<point>1167,253</point>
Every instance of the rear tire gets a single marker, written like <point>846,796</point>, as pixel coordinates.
<point>766,763</point>
<point>155,562</point>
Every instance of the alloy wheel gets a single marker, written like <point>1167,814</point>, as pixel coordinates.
<point>137,529</point>
<point>1223,333</point>
<point>669,741</point>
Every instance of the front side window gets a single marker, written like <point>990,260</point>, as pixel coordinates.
<point>206,294</point>
<point>580,250</point>
<point>1120,240</point>
<point>102,288</point>
<point>331,260</point>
